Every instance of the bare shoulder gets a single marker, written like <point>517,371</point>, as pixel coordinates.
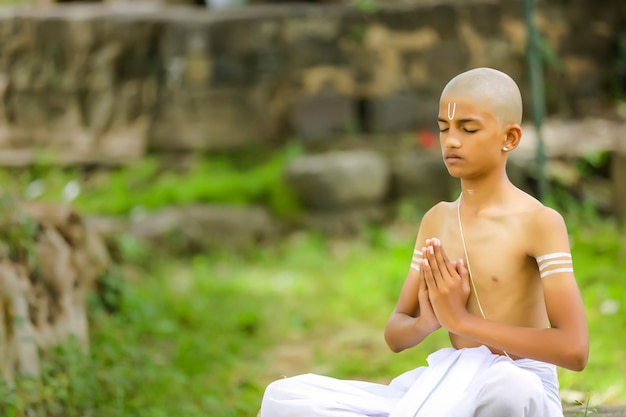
<point>433,218</point>
<point>545,228</point>
<point>543,219</point>
<point>438,212</point>
<point>535,211</point>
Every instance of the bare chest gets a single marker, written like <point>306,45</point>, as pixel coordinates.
<point>494,249</point>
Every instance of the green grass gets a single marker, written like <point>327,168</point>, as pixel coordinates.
<point>204,336</point>
<point>154,183</point>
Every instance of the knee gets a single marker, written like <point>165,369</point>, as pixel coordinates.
<point>274,398</point>
<point>277,389</point>
<point>511,391</point>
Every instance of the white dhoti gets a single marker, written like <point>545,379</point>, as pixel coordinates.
<point>456,383</point>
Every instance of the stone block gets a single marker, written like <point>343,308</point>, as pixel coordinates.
<point>44,110</point>
<point>485,17</point>
<point>208,120</point>
<point>595,411</point>
<point>339,180</point>
<point>421,176</point>
<point>395,112</point>
<point>321,116</point>
<point>312,40</point>
<point>212,50</point>
<point>446,61</point>
<point>199,228</point>
<point>443,18</point>
<point>348,221</point>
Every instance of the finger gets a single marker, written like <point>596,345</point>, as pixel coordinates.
<point>462,270</point>
<point>434,266</point>
<point>422,295</point>
<point>428,275</point>
<point>442,259</point>
<point>422,278</point>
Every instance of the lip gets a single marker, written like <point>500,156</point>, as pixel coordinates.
<point>452,157</point>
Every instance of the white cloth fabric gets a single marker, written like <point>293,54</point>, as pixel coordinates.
<point>456,383</point>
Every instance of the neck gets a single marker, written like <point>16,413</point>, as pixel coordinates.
<point>478,194</point>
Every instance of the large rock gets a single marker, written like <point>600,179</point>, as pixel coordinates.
<point>85,80</point>
<point>421,176</point>
<point>77,84</point>
<point>207,121</point>
<point>321,116</point>
<point>201,227</point>
<point>347,221</point>
<point>341,179</point>
<point>44,292</point>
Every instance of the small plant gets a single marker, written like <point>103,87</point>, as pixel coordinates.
<point>366,6</point>
<point>150,184</point>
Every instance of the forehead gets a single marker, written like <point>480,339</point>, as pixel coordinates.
<point>467,107</point>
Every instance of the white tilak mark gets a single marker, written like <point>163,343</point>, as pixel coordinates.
<point>451,117</point>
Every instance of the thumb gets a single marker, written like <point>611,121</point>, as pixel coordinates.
<point>461,270</point>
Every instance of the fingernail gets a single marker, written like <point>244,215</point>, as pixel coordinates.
<point>432,250</point>
<point>426,262</point>
<point>437,242</point>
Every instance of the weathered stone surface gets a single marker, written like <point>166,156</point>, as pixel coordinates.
<point>346,221</point>
<point>339,179</point>
<point>595,411</point>
<point>392,113</point>
<point>208,120</point>
<point>421,176</point>
<point>322,115</point>
<point>201,227</point>
<point>44,290</point>
<point>571,138</point>
<point>221,79</point>
<point>76,85</point>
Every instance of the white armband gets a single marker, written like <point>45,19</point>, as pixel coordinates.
<point>417,259</point>
<point>554,263</point>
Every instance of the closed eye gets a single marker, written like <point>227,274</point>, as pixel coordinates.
<point>444,130</point>
<point>470,130</point>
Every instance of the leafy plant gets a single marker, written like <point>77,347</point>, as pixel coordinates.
<point>151,184</point>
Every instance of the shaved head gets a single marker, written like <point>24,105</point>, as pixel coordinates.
<point>492,89</point>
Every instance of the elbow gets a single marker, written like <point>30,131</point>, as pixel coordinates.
<point>395,348</point>
<point>578,357</point>
<point>580,361</point>
<point>392,343</point>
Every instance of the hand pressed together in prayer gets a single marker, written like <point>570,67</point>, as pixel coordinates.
<point>447,284</point>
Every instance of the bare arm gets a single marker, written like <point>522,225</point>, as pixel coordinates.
<point>412,318</point>
<point>565,343</point>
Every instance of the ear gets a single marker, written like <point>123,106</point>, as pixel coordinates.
<point>513,135</point>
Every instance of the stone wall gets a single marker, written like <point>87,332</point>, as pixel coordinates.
<point>83,83</point>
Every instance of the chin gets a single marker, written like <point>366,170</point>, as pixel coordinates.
<point>453,172</point>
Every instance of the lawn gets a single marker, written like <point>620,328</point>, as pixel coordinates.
<point>203,336</point>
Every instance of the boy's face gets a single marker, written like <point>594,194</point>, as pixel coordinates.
<point>471,136</point>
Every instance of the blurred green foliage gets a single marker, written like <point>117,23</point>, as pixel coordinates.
<point>153,183</point>
<point>204,335</point>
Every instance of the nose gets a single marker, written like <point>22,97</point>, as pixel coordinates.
<point>450,139</point>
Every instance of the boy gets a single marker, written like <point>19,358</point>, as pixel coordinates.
<point>509,300</point>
